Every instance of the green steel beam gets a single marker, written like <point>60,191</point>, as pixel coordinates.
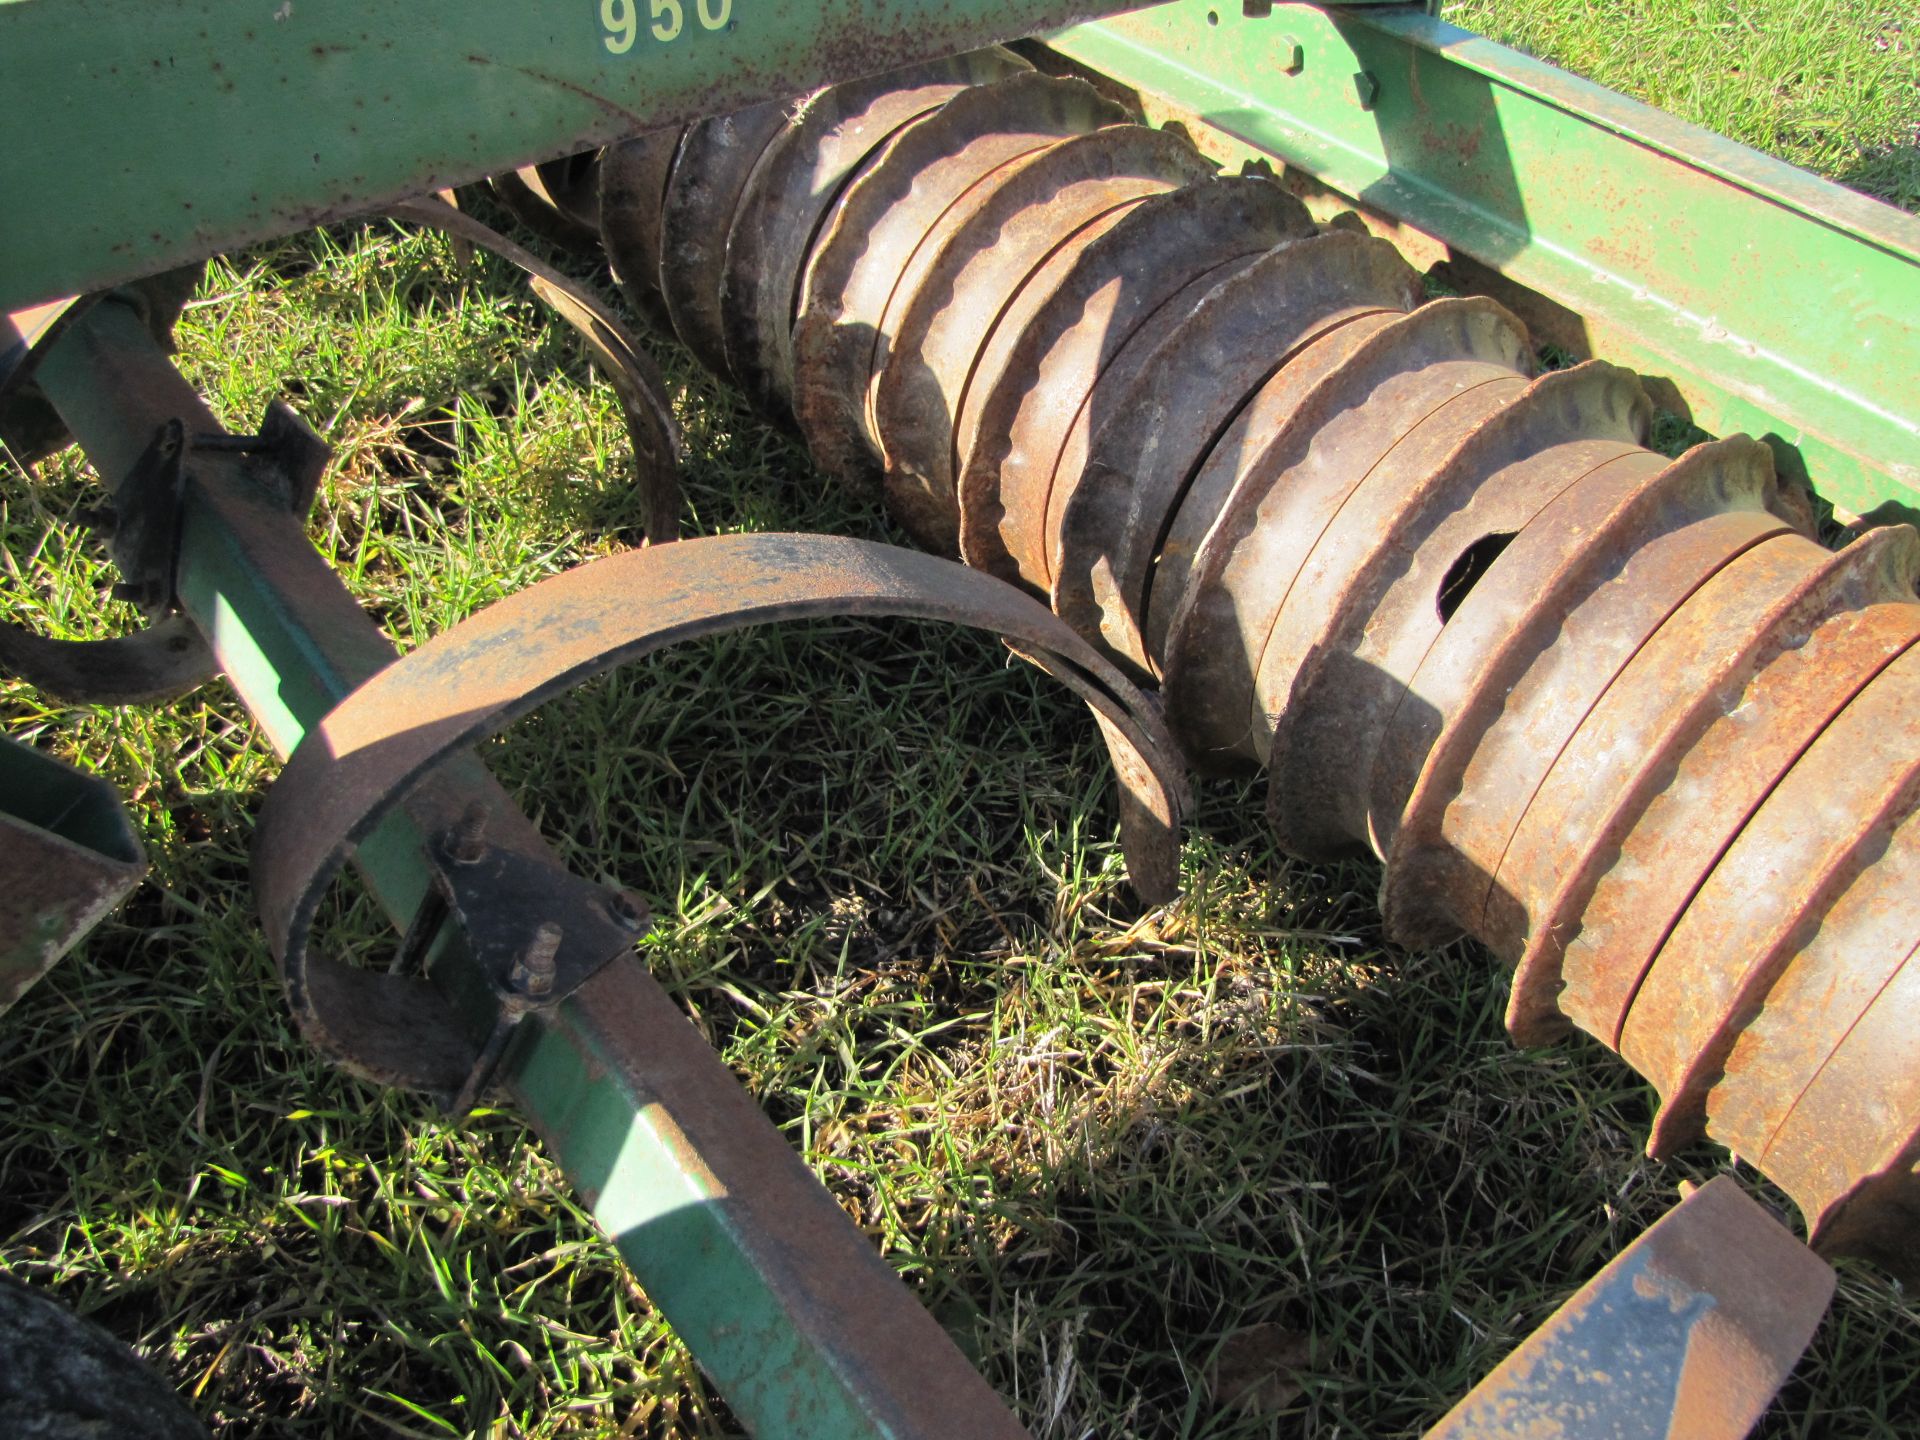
<point>143,134</point>
<point>801,1325</point>
<point>150,134</point>
<point>1774,302</point>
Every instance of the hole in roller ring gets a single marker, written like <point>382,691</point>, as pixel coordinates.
<point>1466,571</point>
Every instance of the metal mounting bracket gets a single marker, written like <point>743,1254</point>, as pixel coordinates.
<point>146,522</point>
<point>169,657</point>
<point>288,457</point>
<point>537,931</point>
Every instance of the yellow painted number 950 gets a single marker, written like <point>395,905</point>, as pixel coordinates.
<point>620,19</point>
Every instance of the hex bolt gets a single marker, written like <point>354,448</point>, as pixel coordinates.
<point>532,973</point>
<point>467,842</point>
<point>1293,55</point>
<point>1366,89</point>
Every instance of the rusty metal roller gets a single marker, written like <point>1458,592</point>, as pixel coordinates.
<point>792,188</point>
<point>979,291</point>
<point>1616,715</point>
<point>1072,366</point>
<point>893,223</point>
<point>633,193</point>
<point>711,166</point>
<point>1162,462</point>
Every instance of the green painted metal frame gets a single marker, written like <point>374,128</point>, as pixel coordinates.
<point>144,134</point>
<point>1776,303</point>
<point>1666,243</point>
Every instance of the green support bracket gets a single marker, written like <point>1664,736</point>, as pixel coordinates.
<point>1774,302</point>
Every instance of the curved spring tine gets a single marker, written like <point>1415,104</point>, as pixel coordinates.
<point>387,737</point>
<point>650,423</point>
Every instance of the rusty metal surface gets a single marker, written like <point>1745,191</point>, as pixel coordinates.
<point>884,231</point>
<point>1849,1142</point>
<point>1508,825</point>
<point>710,172</point>
<point>1198,498</point>
<point>1673,841</point>
<point>1650,843</point>
<point>1573,549</point>
<point>1566,426</point>
<point>988,370</point>
<point>67,856</point>
<point>652,431</point>
<point>1350,453</point>
<point>1494,638</point>
<point>1040,409</point>
<point>1686,1335</point>
<point>1820,1086</point>
<point>1344,424</point>
<point>1468,620</point>
<point>788,197</point>
<point>1176,414</point>
<point>1716,966</point>
<point>1108,396</point>
<point>387,736</point>
<point>1816,1010</point>
<point>978,273</point>
<point>633,188</point>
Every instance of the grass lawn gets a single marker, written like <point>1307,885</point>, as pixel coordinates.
<point>890,895</point>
